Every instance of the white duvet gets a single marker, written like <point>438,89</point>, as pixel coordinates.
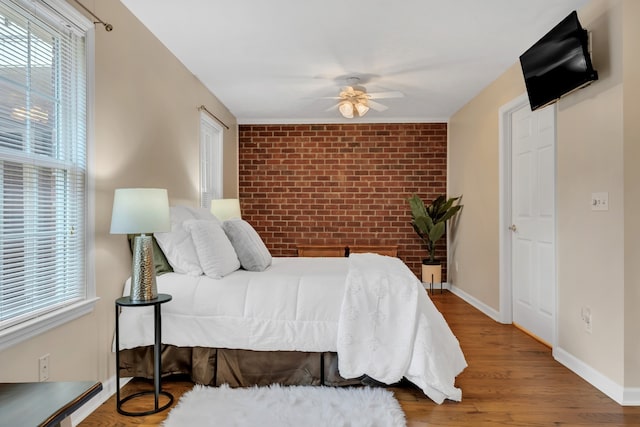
<point>303,304</point>
<point>390,329</point>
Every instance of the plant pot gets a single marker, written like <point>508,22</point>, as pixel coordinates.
<point>431,271</point>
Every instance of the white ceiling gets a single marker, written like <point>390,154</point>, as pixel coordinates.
<point>272,61</point>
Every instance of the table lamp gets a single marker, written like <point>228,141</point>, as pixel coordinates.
<point>225,209</point>
<point>141,211</point>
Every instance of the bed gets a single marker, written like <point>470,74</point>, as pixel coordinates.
<point>335,321</point>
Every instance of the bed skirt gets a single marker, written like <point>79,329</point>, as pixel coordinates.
<point>238,368</point>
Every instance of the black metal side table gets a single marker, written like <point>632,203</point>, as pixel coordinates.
<point>157,388</point>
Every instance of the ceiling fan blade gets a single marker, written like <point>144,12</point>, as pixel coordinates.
<point>330,97</point>
<point>377,106</point>
<point>333,107</point>
<point>383,95</point>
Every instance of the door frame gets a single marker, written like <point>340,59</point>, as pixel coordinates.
<point>505,215</point>
<point>504,218</point>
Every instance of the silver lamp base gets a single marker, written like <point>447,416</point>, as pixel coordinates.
<point>143,278</point>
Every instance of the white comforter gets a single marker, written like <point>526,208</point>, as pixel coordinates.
<point>390,329</point>
<point>293,305</point>
<point>305,304</point>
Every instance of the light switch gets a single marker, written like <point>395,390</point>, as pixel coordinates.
<point>600,201</point>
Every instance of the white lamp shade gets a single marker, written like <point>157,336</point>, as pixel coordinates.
<point>346,109</point>
<point>362,109</point>
<point>225,209</point>
<point>140,210</point>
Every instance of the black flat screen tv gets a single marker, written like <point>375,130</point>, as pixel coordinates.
<point>558,63</point>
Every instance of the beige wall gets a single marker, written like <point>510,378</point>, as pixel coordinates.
<point>146,134</point>
<point>597,150</point>
<point>474,174</point>
<point>589,159</point>
<point>631,130</point>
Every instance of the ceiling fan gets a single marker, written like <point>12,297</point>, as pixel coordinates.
<point>354,101</point>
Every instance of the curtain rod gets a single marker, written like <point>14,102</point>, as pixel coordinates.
<point>203,108</point>
<point>108,27</point>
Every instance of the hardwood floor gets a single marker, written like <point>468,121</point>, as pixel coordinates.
<point>511,380</point>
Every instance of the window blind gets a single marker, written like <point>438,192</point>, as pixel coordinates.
<point>43,155</point>
<point>211,136</point>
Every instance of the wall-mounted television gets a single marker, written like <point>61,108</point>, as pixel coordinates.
<point>558,63</point>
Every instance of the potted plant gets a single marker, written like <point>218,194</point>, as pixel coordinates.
<point>429,221</point>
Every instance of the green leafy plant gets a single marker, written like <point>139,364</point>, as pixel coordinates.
<point>429,221</point>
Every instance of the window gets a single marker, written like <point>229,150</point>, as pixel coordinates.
<point>210,160</point>
<point>44,222</point>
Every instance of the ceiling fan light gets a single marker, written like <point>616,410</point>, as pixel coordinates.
<point>362,109</point>
<point>346,109</point>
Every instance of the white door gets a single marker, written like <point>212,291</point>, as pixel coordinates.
<point>533,260</point>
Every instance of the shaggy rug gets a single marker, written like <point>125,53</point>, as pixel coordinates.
<point>276,406</point>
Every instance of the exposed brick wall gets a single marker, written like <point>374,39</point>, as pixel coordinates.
<point>346,184</point>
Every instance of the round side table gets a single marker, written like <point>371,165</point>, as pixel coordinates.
<point>157,326</point>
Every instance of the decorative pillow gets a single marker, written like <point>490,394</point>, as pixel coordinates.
<point>215,252</point>
<point>160,261</point>
<point>251,250</point>
<point>177,244</point>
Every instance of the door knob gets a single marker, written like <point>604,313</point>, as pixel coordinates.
<point>513,228</point>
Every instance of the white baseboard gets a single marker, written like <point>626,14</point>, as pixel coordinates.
<point>625,396</point>
<point>491,312</point>
<point>629,396</point>
<point>108,390</point>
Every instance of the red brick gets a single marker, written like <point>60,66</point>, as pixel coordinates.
<point>340,183</point>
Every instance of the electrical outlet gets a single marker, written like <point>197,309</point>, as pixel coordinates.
<point>586,318</point>
<point>43,364</point>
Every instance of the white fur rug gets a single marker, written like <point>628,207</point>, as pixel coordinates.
<point>277,406</point>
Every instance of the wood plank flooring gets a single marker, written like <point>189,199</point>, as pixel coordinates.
<point>511,380</point>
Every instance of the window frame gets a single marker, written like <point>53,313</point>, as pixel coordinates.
<point>211,161</point>
<point>56,10</point>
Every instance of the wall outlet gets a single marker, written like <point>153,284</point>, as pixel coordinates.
<point>586,318</point>
<point>43,364</point>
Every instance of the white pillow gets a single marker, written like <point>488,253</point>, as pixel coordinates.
<point>177,244</point>
<point>251,250</point>
<point>215,252</point>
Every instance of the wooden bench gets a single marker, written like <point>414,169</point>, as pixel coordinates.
<point>322,250</point>
<point>44,404</point>
<point>388,250</point>
<point>345,250</point>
